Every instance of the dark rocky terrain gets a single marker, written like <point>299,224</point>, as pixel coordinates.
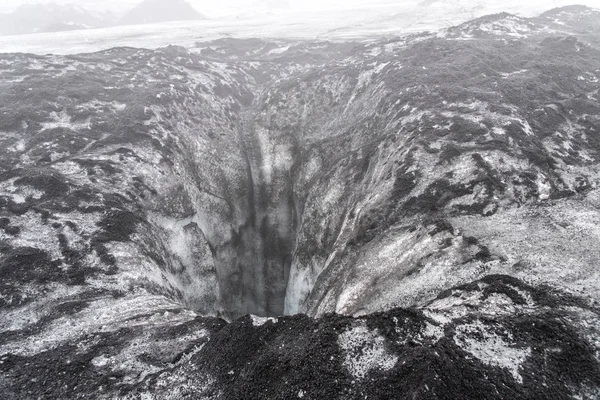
<point>424,211</point>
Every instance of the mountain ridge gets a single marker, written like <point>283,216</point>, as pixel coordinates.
<point>34,18</point>
<point>52,17</point>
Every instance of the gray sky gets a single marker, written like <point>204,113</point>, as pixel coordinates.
<point>211,7</point>
<point>307,19</point>
<point>217,8</point>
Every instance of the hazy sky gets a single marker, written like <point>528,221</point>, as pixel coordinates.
<point>213,7</point>
<point>231,7</point>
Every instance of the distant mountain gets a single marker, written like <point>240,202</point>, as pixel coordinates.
<point>34,18</point>
<point>580,18</point>
<point>151,11</point>
<point>38,18</point>
<point>497,24</point>
<point>484,7</point>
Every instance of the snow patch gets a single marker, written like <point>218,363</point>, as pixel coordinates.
<point>260,321</point>
<point>19,194</point>
<point>280,50</point>
<point>63,120</point>
<point>365,351</point>
<point>492,349</point>
<point>544,188</point>
<point>519,72</point>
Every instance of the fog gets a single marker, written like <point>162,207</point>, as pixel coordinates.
<point>212,8</point>
<point>219,8</point>
<point>95,25</point>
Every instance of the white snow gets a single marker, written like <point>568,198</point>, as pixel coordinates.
<point>63,120</point>
<point>512,26</point>
<point>499,131</point>
<point>19,194</point>
<point>489,347</point>
<point>260,321</point>
<point>519,72</point>
<point>544,188</point>
<point>34,233</point>
<point>280,50</point>
<point>364,351</point>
